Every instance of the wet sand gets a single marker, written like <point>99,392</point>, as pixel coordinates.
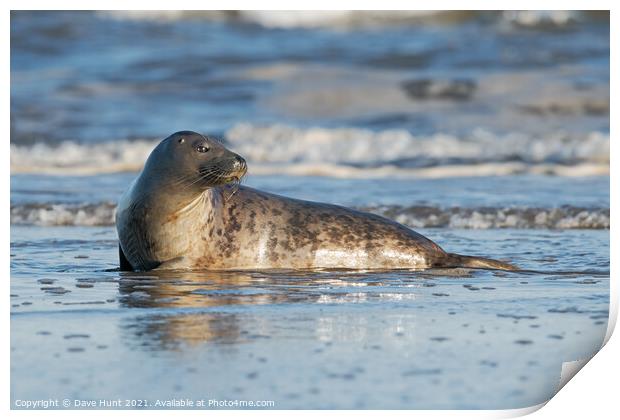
<point>436,339</point>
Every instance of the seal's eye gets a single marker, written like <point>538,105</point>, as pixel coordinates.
<point>202,149</point>
<point>181,140</point>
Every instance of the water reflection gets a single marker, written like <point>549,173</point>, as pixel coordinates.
<point>181,309</point>
<point>167,289</point>
<point>201,307</point>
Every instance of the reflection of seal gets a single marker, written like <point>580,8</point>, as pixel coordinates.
<point>186,210</point>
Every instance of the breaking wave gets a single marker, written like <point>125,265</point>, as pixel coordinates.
<point>45,214</point>
<point>352,18</point>
<point>355,146</point>
<point>565,217</point>
<point>74,158</point>
<point>347,152</point>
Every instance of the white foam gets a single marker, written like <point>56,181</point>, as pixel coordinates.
<point>81,159</point>
<point>287,19</point>
<point>347,152</point>
<point>100,214</point>
<point>444,171</point>
<point>329,18</point>
<point>567,217</point>
<point>534,18</point>
<point>279,18</point>
<point>281,143</point>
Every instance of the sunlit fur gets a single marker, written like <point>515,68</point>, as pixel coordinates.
<point>187,210</point>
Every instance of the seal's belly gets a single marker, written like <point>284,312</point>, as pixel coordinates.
<point>280,251</point>
<point>261,230</point>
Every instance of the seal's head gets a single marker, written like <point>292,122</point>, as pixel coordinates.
<point>188,159</point>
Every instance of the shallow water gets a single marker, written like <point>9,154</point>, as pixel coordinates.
<point>433,339</point>
<point>453,124</point>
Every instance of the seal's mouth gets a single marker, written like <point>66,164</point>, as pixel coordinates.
<point>232,178</point>
<point>223,172</point>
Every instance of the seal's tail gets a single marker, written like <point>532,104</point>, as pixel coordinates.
<point>466,261</point>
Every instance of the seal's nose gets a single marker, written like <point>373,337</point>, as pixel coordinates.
<point>239,164</point>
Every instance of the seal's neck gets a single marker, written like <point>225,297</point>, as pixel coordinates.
<point>168,195</point>
<point>199,207</point>
<point>176,226</point>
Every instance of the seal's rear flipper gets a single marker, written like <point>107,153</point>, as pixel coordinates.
<point>125,266</point>
<point>466,261</point>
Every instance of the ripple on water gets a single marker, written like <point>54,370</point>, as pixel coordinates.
<point>516,316</point>
<point>55,290</point>
<point>46,281</point>
<point>70,336</point>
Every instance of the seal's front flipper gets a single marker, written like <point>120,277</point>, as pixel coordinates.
<point>172,264</point>
<point>125,266</point>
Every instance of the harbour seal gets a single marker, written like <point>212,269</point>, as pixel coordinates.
<point>187,210</point>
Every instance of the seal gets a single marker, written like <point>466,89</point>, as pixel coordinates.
<point>188,210</point>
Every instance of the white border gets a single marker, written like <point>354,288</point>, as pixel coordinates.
<point>594,393</point>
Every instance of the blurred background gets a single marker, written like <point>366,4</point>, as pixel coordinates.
<point>351,95</point>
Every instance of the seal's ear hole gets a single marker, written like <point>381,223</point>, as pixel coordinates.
<point>181,140</point>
